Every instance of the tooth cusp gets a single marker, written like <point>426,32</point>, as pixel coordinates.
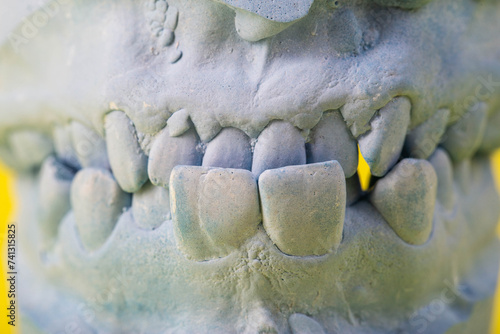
<point>214,210</point>
<point>128,161</point>
<point>303,207</point>
<point>406,197</point>
<point>168,152</point>
<point>332,140</point>
<point>382,146</point>
<point>97,201</point>
<point>230,149</point>
<point>90,148</point>
<point>422,141</point>
<point>463,138</point>
<point>280,144</point>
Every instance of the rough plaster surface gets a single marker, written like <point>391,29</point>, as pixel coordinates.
<point>188,166</point>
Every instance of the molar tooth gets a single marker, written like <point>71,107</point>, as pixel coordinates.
<point>168,152</point>
<point>150,206</point>
<point>230,149</point>
<point>97,203</point>
<point>444,171</point>
<point>382,146</point>
<point>332,140</point>
<point>422,141</point>
<point>30,148</point>
<point>54,198</point>
<point>63,145</point>
<point>463,138</point>
<point>303,207</point>
<point>89,146</point>
<point>279,145</point>
<point>213,210</point>
<point>128,161</point>
<point>406,197</point>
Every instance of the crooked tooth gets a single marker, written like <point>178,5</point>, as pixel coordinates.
<point>230,149</point>
<point>29,148</point>
<point>302,324</point>
<point>213,210</point>
<point>253,28</point>
<point>406,197</point>
<point>491,139</point>
<point>97,203</point>
<point>422,141</point>
<point>332,140</point>
<point>54,197</point>
<point>279,145</point>
<point>89,146</point>
<point>303,207</point>
<point>150,206</point>
<point>168,152</point>
<point>382,146</point>
<point>463,138</point>
<point>128,161</point>
<point>444,171</point>
<point>63,145</point>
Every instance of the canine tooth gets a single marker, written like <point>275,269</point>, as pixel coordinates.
<point>491,139</point>
<point>382,146</point>
<point>230,149</point>
<point>178,123</point>
<point>54,198</point>
<point>89,146</point>
<point>213,210</point>
<point>253,28</point>
<point>444,171</point>
<point>63,145</point>
<point>406,197</point>
<point>332,140</point>
<point>97,203</point>
<point>302,324</point>
<point>422,141</point>
<point>128,161</point>
<point>29,148</point>
<point>463,138</point>
<point>279,145</point>
<point>150,206</point>
<point>303,207</point>
<point>168,152</point>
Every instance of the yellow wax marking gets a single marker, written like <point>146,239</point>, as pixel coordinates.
<point>6,210</point>
<point>363,172</point>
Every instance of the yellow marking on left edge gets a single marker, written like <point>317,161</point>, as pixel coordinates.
<point>7,207</point>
